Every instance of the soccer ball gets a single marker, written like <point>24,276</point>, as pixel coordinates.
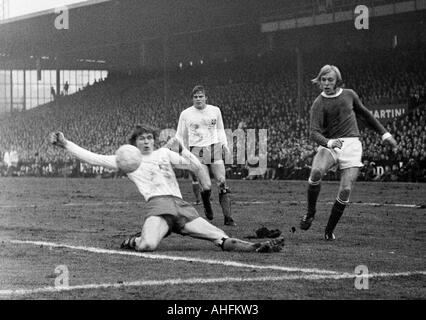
<point>128,158</point>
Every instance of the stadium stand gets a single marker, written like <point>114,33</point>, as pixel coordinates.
<point>261,92</point>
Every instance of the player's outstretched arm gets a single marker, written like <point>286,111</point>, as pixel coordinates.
<point>58,139</point>
<point>374,123</point>
<point>175,144</point>
<point>187,161</point>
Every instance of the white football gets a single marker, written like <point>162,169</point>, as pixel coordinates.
<point>128,158</point>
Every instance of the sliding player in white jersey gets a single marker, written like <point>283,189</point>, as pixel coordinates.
<point>166,210</point>
<point>201,129</point>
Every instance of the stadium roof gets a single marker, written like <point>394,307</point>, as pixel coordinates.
<point>118,34</point>
<point>106,30</point>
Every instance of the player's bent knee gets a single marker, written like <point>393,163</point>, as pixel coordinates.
<point>221,181</point>
<point>146,246</point>
<point>206,185</point>
<point>223,188</point>
<point>316,175</point>
<point>344,194</point>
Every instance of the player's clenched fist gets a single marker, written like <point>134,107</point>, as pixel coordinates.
<point>334,143</point>
<point>57,139</point>
<point>174,145</point>
<point>392,142</point>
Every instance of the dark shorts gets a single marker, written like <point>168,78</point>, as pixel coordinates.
<point>209,154</point>
<point>174,210</point>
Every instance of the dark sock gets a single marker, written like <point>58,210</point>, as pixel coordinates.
<point>336,213</point>
<point>205,196</point>
<point>225,203</point>
<point>313,192</point>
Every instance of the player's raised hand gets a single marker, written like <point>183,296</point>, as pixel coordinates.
<point>335,143</point>
<point>392,142</point>
<point>57,139</point>
<point>174,145</point>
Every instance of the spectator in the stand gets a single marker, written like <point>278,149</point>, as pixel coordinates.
<point>272,167</point>
<point>53,93</point>
<point>36,166</point>
<point>257,92</point>
<point>370,173</point>
<point>412,169</point>
<point>12,160</point>
<point>422,166</point>
<point>6,161</point>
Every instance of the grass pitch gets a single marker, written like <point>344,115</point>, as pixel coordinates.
<point>77,225</point>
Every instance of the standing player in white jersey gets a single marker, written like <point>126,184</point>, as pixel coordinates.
<point>166,210</point>
<point>333,126</point>
<point>201,129</point>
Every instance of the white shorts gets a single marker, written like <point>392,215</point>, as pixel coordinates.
<point>349,156</point>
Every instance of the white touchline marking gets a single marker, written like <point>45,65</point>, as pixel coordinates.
<point>173,258</point>
<point>101,203</point>
<point>70,204</point>
<point>7,206</point>
<point>76,204</point>
<point>191,281</point>
<point>373,204</point>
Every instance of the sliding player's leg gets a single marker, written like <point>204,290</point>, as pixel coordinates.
<point>202,229</point>
<point>154,229</point>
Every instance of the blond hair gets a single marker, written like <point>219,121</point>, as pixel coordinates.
<point>326,69</point>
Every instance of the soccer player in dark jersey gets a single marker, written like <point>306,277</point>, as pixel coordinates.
<point>334,127</point>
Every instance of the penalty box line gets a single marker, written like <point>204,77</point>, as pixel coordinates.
<point>146,255</point>
<point>191,281</point>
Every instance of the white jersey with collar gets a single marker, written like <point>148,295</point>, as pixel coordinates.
<point>201,127</point>
<point>154,177</point>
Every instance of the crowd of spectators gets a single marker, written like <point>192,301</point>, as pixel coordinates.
<point>261,93</point>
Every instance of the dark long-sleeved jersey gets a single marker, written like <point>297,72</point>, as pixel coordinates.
<point>334,117</point>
